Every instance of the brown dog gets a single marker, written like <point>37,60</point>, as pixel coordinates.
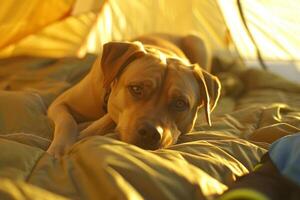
<point>149,87</point>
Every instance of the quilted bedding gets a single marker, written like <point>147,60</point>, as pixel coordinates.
<point>255,109</point>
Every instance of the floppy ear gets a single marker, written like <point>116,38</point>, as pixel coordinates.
<point>116,56</point>
<point>210,88</point>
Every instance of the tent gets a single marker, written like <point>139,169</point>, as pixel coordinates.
<point>48,46</point>
<point>83,26</point>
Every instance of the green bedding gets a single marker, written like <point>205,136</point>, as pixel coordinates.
<point>255,109</point>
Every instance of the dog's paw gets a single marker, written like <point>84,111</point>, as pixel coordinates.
<point>58,150</point>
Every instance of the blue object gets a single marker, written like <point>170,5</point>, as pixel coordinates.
<point>285,154</point>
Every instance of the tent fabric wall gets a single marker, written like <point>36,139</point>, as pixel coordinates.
<point>97,23</point>
<point>74,28</point>
<point>63,38</point>
<point>273,24</point>
<point>19,19</point>
<point>122,20</point>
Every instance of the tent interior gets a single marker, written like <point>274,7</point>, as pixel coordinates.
<point>48,46</point>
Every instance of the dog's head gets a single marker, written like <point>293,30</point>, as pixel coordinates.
<point>154,98</point>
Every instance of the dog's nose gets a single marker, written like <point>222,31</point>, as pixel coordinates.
<point>150,136</point>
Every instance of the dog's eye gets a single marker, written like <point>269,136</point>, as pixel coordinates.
<point>179,105</point>
<point>136,90</point>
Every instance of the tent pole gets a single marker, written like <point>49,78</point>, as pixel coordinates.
<point>259,56</point>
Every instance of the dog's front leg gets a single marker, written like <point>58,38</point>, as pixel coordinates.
<point>99,127</point>
<point>65,132</point>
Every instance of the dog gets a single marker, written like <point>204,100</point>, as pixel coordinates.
<point>148,90</point>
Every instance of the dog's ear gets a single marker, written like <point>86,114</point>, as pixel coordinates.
<point>116,56</point>
<point>210,89</point>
